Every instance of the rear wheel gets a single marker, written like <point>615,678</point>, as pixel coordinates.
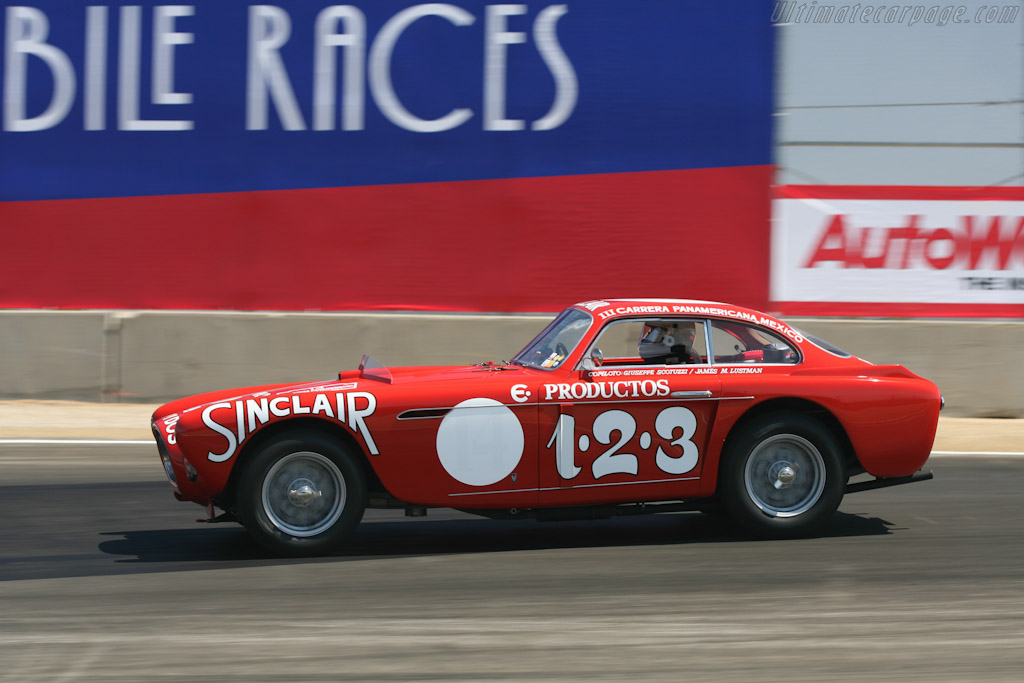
<point>301,494</point>
<point>783,477</point>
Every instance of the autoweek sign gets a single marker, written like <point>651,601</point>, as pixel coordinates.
<point>935,251</point>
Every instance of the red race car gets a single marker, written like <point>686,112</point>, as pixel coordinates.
<point>616,407</point>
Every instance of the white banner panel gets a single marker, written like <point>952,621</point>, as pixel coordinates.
<point>898,251</point>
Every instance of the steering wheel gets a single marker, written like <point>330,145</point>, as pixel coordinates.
<point>686,355</point>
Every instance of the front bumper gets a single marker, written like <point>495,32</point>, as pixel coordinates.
<point>181,474</point>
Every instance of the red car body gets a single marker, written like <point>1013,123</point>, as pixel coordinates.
<point>567,429</point>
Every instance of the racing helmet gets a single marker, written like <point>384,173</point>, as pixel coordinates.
<point>659,339</point>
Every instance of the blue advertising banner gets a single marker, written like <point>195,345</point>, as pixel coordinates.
<point>149,98</point>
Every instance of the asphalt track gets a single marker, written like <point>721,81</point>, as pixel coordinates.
<point>105,577</point>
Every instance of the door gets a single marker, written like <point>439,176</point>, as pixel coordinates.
<point>636,427</point>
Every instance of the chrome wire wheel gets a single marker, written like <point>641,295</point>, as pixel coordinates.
<point>304,494</point>
<point>784,475</point>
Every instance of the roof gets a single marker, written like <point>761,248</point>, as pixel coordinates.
<point>606,309</point>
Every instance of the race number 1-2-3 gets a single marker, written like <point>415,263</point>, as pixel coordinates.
<point>680,458</point>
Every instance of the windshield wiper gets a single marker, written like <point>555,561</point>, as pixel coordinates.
<point>491,365</point>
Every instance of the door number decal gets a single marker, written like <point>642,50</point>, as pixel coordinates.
<point>675,424</point>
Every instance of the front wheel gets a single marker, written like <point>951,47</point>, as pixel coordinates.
<point>783,476</point>
<point>301,494</point>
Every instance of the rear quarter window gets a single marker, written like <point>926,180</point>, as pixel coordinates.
<point>740,343</point>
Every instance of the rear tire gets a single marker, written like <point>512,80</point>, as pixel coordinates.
<point>783,476</point>
<point>301,494</point>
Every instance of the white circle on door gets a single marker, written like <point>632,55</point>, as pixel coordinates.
<point>480,442</point>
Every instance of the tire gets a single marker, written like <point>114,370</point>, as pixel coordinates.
<point>301,494</point>
<point>783,476</point>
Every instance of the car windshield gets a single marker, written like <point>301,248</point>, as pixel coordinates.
<point>552,346</point>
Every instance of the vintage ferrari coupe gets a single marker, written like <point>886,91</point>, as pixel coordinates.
<point>616,407</point>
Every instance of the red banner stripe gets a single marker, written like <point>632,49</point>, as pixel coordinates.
<point>530,244</point>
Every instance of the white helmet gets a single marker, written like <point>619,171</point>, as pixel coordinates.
<point>657,340</point>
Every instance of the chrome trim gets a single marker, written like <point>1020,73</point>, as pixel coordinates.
<point>579,486</point>
<point>484,493</point>
<point>755,364</point>
<point>620,483</point>
<point>676,366</point>
<point>667,399</point>
<point>707,342</point>
<point>697,396</point>
<point>646,319</point>
<point>690,394</point>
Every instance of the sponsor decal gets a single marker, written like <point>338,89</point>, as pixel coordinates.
<point>236,420</point>
<point>937,249</point>
<point>644,372</point>
<point>676,425</point>
<point>704,310</point>
<point>553,361</point>
<point>699,370</point>
<point>593,305</point>
<point>521,393</point>
<point>626,373</point>
<point>169,424</point>
<point>269,92</point>
<point>627,310</point>
<point>579,391</point>
<point>997,244</point>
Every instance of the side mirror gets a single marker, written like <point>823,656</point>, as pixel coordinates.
<point>592,362</point>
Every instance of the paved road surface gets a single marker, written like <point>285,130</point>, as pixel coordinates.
<point>107,578</point>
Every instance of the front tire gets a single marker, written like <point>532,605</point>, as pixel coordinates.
<point>783,476</point>
<point>301,494</point>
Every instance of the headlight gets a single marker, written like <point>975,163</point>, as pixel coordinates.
<point>164,457</point>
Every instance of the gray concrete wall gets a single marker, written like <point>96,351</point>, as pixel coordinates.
<point>153,356</point>
<point>47,354</point>
<point>148,356</point>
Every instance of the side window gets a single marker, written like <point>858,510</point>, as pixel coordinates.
<point>738,343</point>
<point>662,341</point>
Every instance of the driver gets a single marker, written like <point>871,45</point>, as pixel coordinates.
<point>665,343</point>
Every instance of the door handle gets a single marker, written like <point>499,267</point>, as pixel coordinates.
<point>690,394</point>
